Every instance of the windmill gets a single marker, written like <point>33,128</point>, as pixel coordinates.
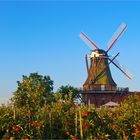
<point>99,74</point>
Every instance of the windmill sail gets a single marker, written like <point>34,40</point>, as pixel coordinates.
<point>116,35</point>
<point>122,69</point>
<point>86,58</point>
<point>88,41</point>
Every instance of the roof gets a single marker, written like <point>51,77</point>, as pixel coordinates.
<point>111,104</point>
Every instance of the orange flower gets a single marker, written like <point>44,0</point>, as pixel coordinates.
<point>85,114</point>
<point>39,126</point>
<point>113,127</point>
<point>136,131</point>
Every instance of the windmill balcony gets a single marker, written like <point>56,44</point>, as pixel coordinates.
<point>103,90</point>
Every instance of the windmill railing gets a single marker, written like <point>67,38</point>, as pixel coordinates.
<point>122,89</point>
<point>117,89</point>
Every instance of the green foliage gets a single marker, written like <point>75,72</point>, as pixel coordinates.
<point>35,89</point>
<point>36,113</point>
<point>64,90</point>
<point>128,118</point>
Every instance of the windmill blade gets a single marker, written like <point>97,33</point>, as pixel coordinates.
<point>116,36</point>
<point>121,68</point>
<point>86,58</point>
<point>88,41</point>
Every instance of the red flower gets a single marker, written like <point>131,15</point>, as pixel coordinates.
<point>85,114</point>
<point>39,126</point>
<point>74,138</point>
<point>33,123</point>
<point>16,128</point>
<point>86,126</point>
<point>136,131</point>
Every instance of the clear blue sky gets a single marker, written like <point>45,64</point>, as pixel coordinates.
<point>43,37</point>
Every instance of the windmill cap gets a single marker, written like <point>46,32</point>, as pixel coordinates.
<point>100,51</point>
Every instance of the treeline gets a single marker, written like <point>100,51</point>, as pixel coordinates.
<point>36,112</point>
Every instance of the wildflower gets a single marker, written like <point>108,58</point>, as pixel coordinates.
<point>74,138</point>
<point>136,131</point>
<point>34,123</point>
<point>86,126</point>
<point>85,114</point>
<point>39,126</point>
<point>16,128</point>
<point>113,127</point>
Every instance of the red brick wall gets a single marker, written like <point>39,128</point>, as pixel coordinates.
<point>99,99</point>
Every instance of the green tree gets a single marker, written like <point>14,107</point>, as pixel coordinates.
<point>33,92</point>
<point>33,89</point>
<point>65,90</point>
